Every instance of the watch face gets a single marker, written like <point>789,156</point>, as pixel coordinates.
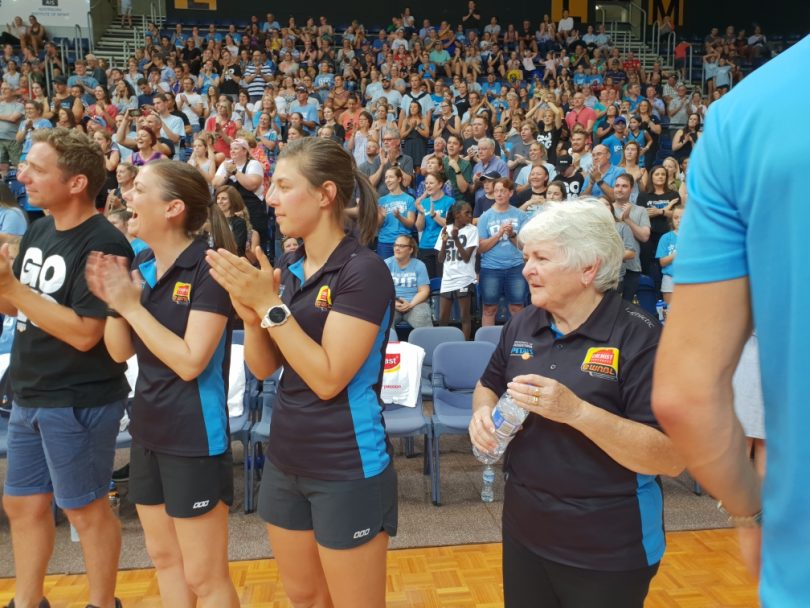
<point>276,314</point>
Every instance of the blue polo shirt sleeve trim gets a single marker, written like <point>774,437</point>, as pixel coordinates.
<point>211,387</point>
<point>711,241</point>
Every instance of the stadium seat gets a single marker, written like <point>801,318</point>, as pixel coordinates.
<point>457,366</point>
<point>429,338</point>
<point>647,294</point>
<point>260,432</point>
<point>489,334</point>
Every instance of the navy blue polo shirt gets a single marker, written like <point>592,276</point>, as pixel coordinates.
<point>342,438</point>
<point>566,499</point>
<point>170,415</point>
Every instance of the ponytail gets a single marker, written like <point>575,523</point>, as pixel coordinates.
<point>367,211</point>
<point>221,233</point>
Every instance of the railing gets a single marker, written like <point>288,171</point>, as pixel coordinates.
<point>643,24</point>
<point>78,45</point>
<point>91,45</point>
<point>669,47</point>
<point>689,57</point>
<point>656,38</point>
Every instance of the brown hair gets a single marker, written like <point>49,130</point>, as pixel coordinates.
<point>179,180</point>
<point>322,160</point>
<point>507,183</point>
<point>76,154</point>
<point>238,206</point>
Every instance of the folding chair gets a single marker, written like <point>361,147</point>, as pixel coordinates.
<point>457,366</point>
<point>429,338</point>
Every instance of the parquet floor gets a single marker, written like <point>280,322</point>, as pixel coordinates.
<point>700,570</point>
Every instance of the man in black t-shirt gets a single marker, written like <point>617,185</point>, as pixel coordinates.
<point>69,394</point>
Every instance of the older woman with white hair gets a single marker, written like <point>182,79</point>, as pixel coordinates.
<point>583,505</point>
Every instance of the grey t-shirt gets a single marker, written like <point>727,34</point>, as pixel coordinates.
<point>8,129</point>
<point>638,215</point>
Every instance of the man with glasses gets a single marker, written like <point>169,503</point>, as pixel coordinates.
<point>391,156</point>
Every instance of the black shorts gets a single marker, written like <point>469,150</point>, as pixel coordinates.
<point>343,514</point>
<point>459,294</point>
<point>187,486</point>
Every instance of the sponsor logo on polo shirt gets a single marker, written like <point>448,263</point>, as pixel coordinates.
<point>324,299</point>
<point>524,350</point>
<point>602,362</point>
<point>181,294</point>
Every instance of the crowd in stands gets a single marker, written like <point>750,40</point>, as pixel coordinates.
<point>447,120</point>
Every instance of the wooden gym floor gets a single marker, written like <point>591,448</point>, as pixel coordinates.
<point>700,570</point>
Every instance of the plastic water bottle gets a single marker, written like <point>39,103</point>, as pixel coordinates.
<point>659,308</point>
<point>507,416</point>
<point>114,498</point>
<point>487,489</point>
<point>74,534</point>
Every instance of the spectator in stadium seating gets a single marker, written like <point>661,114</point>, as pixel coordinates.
<point>247,176</point>
<point>638,220</point>
<point>678,108</point>
<point>599,552</point>
<point>391,156</point>
<point>432,207</point>
<point>13,221</point>
<point>186,539</point>
<point>458,169</point>
<point>487,161</point>
<point>147,150</point>
<point>355,300</point>
<point>414,129</point>
<point>537,153</point>
<point>686,137</point>
<point>666,252</point>
<point>222,127</point>
<point>659,201</point>
<point>602,176</point>
<point>31,122</point>
<point>531,199</point>
<point>397,213</point>
<point>203,158</point>
<point>615,142</point>
<point>580,114</point>
<point>501,257</point>
<point>11,114</point>
<point>412,284</point>
<point>307,108</point>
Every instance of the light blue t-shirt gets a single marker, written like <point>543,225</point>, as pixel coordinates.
<point>12,221</point>
<point>432,229</point>
<point>666,247</point>
<point>504,254</point>
<point>409,279</point>
<point>747,216</point>
<point>610,179</point>
<point>391,227</point>
<point>616,147</point>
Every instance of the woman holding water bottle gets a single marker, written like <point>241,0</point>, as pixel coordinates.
<point>583,506</point>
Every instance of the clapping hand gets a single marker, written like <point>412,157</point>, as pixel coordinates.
<point>253,290</point>
<point>111,281</point>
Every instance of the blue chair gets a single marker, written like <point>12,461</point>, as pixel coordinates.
<point>240,425</point>
<point>647,294</point>
<point>407,423</point>
<point>491,333</point>
<point>429,338</point>
<point>457,366</point>
<point>260,432</point>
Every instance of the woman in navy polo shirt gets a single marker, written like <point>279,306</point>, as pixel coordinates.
<point>583,507</point>
<point>175,318</point>
<point>328,490</point>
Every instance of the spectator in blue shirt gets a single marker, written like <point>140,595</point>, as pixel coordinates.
<point>666,252</point>
<point>615,142</point>
<point>602,175</point>
<point>487,162</point>
<point>306,108</point>
<point>397,211</point>
<point>85,81</point>
<point>33,120</point>
<point>501,257</point>
<point>411,282</point>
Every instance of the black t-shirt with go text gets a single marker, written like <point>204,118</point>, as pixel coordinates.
<point>46,372</point>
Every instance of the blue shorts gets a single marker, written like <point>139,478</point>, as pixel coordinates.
<point>506,282</point>
<point>65,450</point>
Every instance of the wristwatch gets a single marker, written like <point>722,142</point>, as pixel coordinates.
<point>276,315</point>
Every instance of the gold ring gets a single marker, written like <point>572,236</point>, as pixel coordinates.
<point>535,400</point>
<point>536,392</point>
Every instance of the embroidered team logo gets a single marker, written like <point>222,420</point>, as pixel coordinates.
<point>602,362</point>
<point>324,299</point>
<point>521,349</point>
<point>181,294</point>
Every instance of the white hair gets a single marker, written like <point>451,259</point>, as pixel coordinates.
<point>585,232</point>
<point>486,142</point>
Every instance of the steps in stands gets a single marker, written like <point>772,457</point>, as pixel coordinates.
<point>117,44</point>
